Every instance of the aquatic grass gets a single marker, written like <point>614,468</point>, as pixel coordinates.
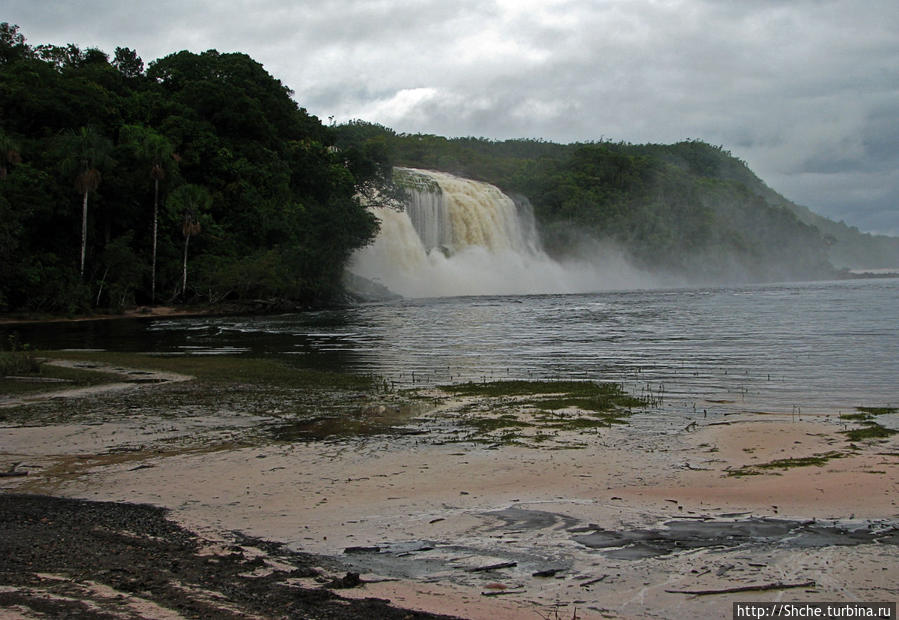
<point>856,417</point>
<point>25,371</point>
<point>875,411</point>
<point>488,424</point>
<point>554,395</point>
<point>228,369</point>
<point>576,422</point>
<point>816,460</point>
<point>18,363</point>
<point>54,378</point>
<point>867,413</point>
<point>598,403</point>
<point>288,403</point>
<point>739,473</point>
<point>547,408</point>
<point>525,388</point>
<point>334,425</point>
<point>870,430</point>
<point>18,359</point>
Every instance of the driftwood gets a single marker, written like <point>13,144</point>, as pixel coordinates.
<point>12,471</point>
<point>362,550</point>
<point>481,569</point>
<point>413,551</point>
<point>592,581</point>
<point>756,588</point>
<point>350,580</point>
<point>501,592</point>
<point>550,572</point>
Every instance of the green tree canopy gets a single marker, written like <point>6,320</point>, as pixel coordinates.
<point>281,199</point>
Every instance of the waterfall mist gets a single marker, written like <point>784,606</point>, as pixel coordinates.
<point>462,237</point>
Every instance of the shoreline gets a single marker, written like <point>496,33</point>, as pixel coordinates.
<point>264,307</point>
<point>138,312</point>
<point>436,510</point>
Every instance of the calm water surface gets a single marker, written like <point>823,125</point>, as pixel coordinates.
<point>815,346</point>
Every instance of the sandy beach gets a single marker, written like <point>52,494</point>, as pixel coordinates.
<point>628,525</point>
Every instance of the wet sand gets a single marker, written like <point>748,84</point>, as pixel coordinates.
<point>422,516</point>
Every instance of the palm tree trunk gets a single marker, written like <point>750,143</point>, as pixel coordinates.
<point>155,225</point>
<point>184,276</point>
<point>83,231</point>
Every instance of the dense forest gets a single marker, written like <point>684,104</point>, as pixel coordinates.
<point>198,178</point>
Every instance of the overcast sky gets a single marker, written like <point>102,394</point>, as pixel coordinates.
<point>805,91</point>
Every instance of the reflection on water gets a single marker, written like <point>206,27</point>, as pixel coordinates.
<point>819,346</point>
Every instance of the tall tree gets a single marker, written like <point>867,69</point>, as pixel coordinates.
<point>191,202</point>
<point>155,151</point>
<point>12,44</point>
<point>86,151</point>
<point>128,62</point>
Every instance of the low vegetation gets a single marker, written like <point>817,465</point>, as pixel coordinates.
<point>870,429</point>
<point>225,369</point>
<point>815,460</point>
<point>535,412</point>
<point>18,359</point>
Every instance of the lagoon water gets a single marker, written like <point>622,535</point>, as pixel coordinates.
<point>821,347</point>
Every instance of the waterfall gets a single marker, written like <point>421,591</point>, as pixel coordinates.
<point>462,237</point>
<point>451,214</point>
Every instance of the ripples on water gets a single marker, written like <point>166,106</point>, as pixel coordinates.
<point>819,346</point>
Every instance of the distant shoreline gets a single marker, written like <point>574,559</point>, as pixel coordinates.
<point>887,272</point>
<point>157,312</point>
<point>260,307</point>
<point>132,313</point>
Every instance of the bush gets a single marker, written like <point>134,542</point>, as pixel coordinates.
<point>19,359</point>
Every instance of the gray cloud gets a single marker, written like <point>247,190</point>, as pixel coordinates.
<point>805,91</point>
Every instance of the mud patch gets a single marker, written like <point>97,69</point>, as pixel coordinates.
<point>73,558</point>
<point>521,519</point>
<point>683,535</point>
<point>366,422</point>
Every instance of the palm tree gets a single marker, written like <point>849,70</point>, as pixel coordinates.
<point>85,152</point>
<point>191,201</point>
<point>156,151</point>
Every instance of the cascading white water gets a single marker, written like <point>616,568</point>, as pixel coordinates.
<point>451,214</point>
<point>462,237</point>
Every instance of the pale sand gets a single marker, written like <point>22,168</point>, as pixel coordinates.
<point>324,497</point>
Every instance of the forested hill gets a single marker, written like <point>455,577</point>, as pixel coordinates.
<point>689,209</point>
<point>242,190</point>
<point>198,178</point>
